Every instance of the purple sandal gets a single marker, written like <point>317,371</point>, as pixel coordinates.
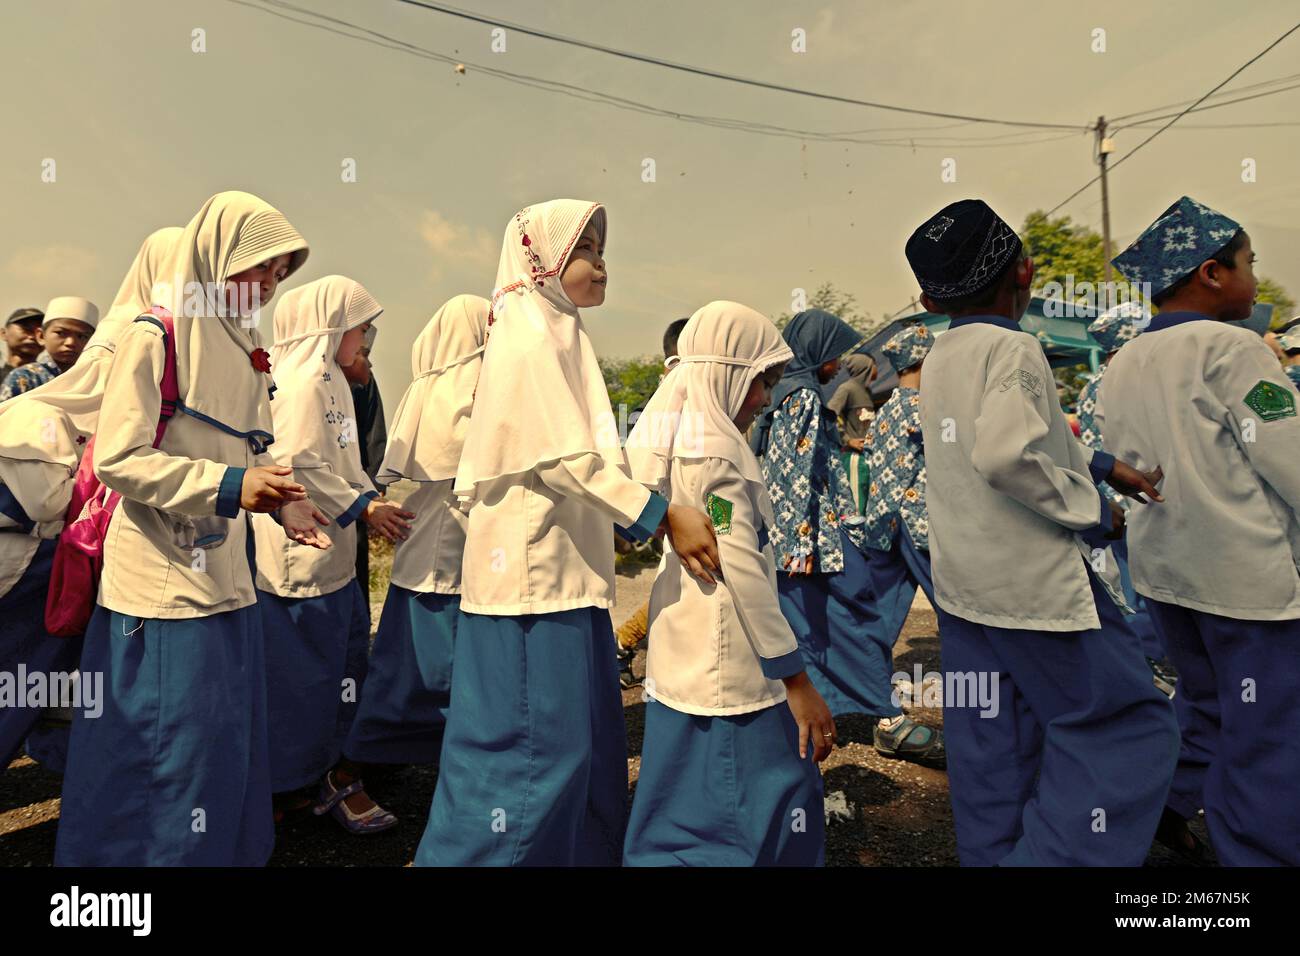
<point>331,801</point>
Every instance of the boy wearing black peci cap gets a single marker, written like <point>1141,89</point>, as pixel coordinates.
<point>1073,764</point>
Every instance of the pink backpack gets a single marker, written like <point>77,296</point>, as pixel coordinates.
<point>79,555</point>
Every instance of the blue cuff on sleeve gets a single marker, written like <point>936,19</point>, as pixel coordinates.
<point>1096,535</point>
<point>354,512</point>
<point>1101,465</point>
<point>232,483</point>
<point>648,521</point>
<point>787,665</point>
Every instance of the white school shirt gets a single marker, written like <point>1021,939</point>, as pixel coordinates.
<point>1008,485</point>
<point>712,646</point>
<point>430,557</point>
<point>1227,538</point>
<point>174,498</point>
<point>42,489</point>
<point>543,541</point>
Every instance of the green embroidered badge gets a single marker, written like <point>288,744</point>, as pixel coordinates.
<point>1270,402</point>
<point>719,513</point>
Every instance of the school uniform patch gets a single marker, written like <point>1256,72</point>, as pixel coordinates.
<point>719,513</point>
<point>1030,382</point>
<point>1270,402</point>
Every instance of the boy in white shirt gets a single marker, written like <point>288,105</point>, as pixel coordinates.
<point>1218,564</point>
<point>1070,761</point>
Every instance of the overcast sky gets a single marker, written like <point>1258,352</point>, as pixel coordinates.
<point>143,129</point>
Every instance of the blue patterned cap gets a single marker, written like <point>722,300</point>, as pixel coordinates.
<point>908,347</point>
<point>1118,325</point>
<point>1175,245</point>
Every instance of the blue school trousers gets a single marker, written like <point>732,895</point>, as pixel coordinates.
<point>316,650</point>
<point>23,639</point>
<point>408,687</point>
<point>1238,703</point>
<point>1074,768</point>
<point>725,791</point>
<point>533,770</point>
<point>843,633</point>
<point>174,771</point>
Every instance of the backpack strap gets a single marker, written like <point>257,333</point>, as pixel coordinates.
<point>170,388</point>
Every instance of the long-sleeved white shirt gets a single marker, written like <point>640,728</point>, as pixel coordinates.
<point>430,558</point>
<point>543,541</point>
<point>39,492</point>
<point>1192,395</point>
<point>1009,487</point>
<point>176,545</point>
<point>720,649</point>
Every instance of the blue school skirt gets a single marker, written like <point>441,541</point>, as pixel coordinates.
<point>533,769</point>
<point>24,640</point>
<point>725,791</point>
<point>842,633</point>
<point>174,771</point>
<point>408,687</point>
<point>313,646</point>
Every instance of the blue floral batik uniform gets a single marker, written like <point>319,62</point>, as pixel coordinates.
<point>27,377</point>
<point>832,609</point>
<point>898,529</point>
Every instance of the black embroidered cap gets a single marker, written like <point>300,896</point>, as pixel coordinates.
<point>961,249</point>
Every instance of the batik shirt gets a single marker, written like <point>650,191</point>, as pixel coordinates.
<point>27,377</point>
<point>808,485</point>
<point>896,455</point>
<point>1293,373</point>
<point>1089,432</point>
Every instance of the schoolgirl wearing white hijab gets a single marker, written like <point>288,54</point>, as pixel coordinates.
<point>42,435</point>
<point>174,771</point>
<point>310,599</point>
<point>408,688</point>
<point>732,719</point>
<point>533,768</point>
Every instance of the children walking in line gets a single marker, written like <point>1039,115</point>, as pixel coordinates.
<point>312,608</point>
<point>733,725</point>
<point>1066,757</point>
<point>408,688</point>
<point>1219,564</point>
<point>534,760</point>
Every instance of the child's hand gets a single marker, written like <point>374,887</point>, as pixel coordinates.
<point>1127,480</point>
<point>799,564</point>
<point>388,518</point>
<point>812,715</point>
<point>302,522</point>
<point>267,487</point>
<point>856,444</point>
<point>693,540</point>
<point>1116,522</point>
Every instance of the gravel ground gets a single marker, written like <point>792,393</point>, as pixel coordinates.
<point>882,812</point>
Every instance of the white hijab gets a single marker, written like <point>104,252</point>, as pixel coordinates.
<point>74,397</point>
<point>428,432</point>
<point>541,396</point>
<point>723,348</point>
<point>231,232</point>
<point>315,423</point>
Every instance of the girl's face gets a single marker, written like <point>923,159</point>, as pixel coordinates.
<point>759,397</point>
<point>350,345</point>
<point>253,288</point>
<point>584,277</point>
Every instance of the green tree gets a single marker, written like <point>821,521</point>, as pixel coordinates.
<point>1283,305</point>
<point>632,381</point>
<point>837,302</point>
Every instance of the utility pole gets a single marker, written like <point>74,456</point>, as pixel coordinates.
<point>1104,148</point>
